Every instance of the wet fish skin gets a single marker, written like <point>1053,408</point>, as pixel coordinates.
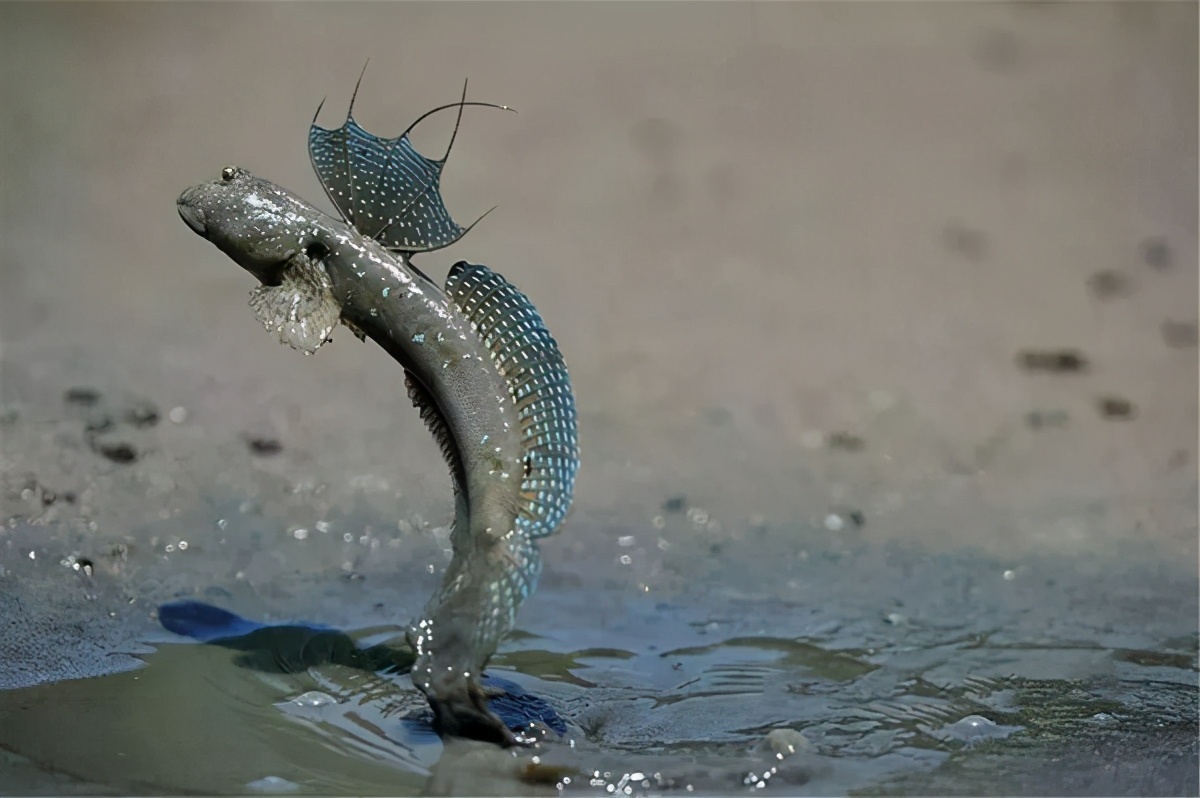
<point>303,257</point>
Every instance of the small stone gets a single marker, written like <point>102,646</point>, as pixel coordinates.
<point>675,504</point>
<point>1063,361</point>
<point>846,442</point>
<point>263,447</point>
<point>83,397</point>
<point>1115,408</point>
<point>1156,252</point>
<point>1109,284</point>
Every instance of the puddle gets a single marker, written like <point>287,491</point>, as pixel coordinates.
<point>697,701</point>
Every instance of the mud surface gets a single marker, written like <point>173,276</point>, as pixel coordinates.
<point>882,322</point>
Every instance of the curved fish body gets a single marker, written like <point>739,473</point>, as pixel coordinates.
<point>480,366</point>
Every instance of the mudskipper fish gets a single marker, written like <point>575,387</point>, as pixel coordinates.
<point>486,375</point>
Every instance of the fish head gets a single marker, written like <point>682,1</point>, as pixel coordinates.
<point>255,222</point>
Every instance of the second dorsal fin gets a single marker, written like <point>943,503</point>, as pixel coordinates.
<point>527,356</point>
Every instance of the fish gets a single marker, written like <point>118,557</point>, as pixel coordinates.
<point>486,375</point>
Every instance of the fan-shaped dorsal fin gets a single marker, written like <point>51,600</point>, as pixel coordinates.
<point>383,187</point>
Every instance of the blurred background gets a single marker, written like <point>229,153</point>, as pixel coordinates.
<point>916,274</point>
<point>793,252</point>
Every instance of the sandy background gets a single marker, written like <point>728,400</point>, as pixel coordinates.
<point>790,251</point>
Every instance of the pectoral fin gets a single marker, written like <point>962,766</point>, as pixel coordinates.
<point>301,310</point>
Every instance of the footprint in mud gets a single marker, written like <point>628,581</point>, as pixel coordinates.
<point>108,428</point>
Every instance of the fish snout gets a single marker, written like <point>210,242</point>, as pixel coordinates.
<point>189,210</point>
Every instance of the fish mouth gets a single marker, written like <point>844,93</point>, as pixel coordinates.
<point>190,214</point>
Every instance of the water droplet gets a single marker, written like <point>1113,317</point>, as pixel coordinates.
<point>314,698</point>
<point>834,522</point>
<point>272,784</point>
<point>178,415</point>
<point>300,534</point>
<point>626,541</point>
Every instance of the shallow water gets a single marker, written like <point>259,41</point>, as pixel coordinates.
<point>912,672</point>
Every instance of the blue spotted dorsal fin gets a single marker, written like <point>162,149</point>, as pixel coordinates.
<point>383,187</point>
<point>527,356</point>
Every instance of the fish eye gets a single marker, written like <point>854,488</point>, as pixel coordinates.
<point>229,173</point>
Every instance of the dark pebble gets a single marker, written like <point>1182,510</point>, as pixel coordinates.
<point>1115,408</point>
<point>1065,361</point>
<point>1156,252</point>
<point>84,397</point>
<point>846,442</point>
<point>117,452</point>
<point>675,504</point>
<point>1107,285</point>
<point>264,447</point>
